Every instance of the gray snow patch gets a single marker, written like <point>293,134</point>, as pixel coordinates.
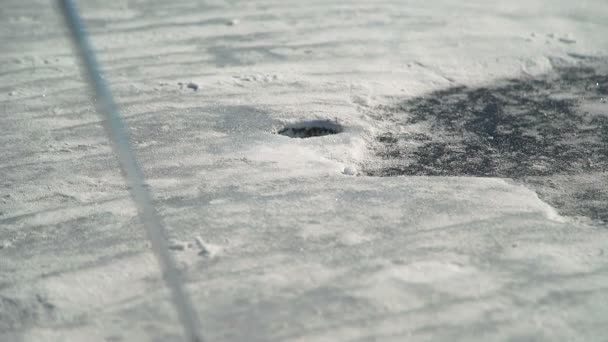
<point>16,312</point>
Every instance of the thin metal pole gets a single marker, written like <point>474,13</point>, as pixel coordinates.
<point>116,131</point>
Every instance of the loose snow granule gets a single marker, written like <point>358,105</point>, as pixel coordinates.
<point>207,249</point>
<point>567,40</point>
<point>362,100</point>
<point>193,86</point>
<point>177,245</point>
<point>350,170</point>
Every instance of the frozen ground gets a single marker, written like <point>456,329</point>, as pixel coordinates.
<point>490,115</point>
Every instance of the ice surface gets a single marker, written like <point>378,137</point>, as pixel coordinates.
<point>299,249</point>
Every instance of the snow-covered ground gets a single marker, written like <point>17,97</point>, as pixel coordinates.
<point>303,240</point>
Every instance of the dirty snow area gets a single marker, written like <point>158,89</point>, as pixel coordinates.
<point>328,171</point>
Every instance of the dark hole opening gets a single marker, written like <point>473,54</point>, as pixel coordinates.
<point>310,129</point>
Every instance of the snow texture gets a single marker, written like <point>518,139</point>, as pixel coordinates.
<point>283,239</point>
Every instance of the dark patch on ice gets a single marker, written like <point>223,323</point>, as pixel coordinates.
<point>309,129</point>
<point>551,132</point>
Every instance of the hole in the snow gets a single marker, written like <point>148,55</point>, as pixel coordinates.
<point>309,129</point>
